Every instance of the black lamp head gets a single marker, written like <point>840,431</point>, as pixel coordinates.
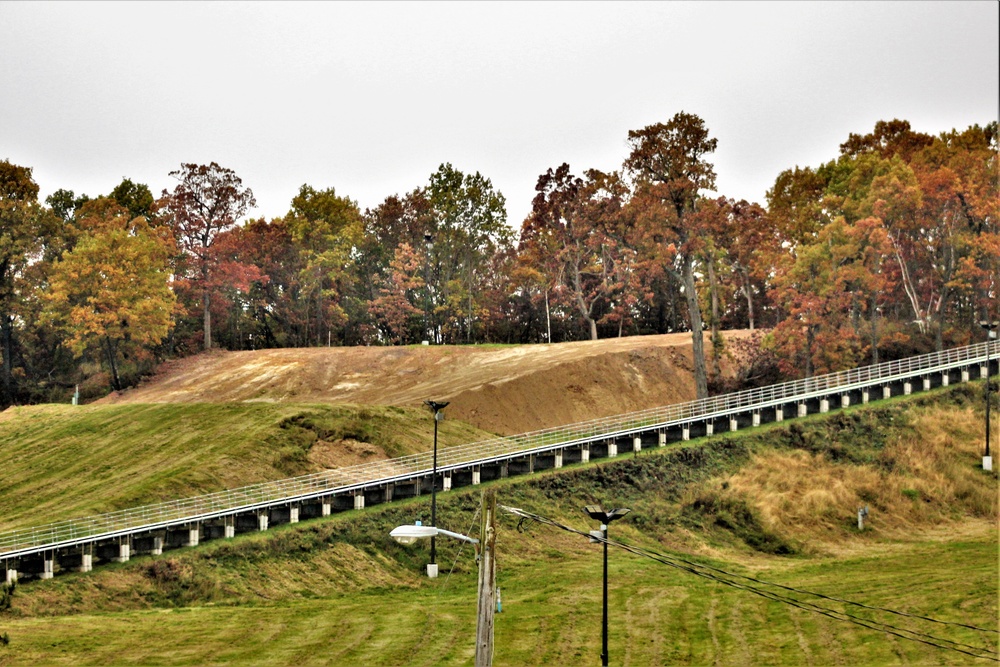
<point>598,513</point>
<point>436,406</point>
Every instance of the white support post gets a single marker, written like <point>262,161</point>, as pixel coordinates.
<point>927,384</point>
<point>945,379</point>
<point>612,450</point>
<point>987,463</point>
<point>662,439</point>
<point>325,507</point>
<point>709,428</point>
<point>756,419</point>
<point>907,388</point>
<point>157,546</point>
<point>637,444</point>
<point>686,432</point>
<point>262,521</point>
<point>965,375</point>
<point>359,501</point>
<point>476,476</point>
<point>192,537</point>
<point>293,514</point>
<point>779,414</point>
<point>124,552</point>
<point>11,574</point>
<point>845,400</point>
<point>585,453</point>
<point>446,482</point>
<point>803,410</point>
<point>864,396</point>
<point>48,566</point>
<point>558,463</point>
<point>229,527</point>
<point>983,372</point>
<point>886,392</point>
<point>86,561</point>
<point>824,406</point>
<point>734,425</point>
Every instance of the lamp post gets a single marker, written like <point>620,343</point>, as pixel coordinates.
<point>989,327</point>
<point>605,517</point>
<point>437,407</point>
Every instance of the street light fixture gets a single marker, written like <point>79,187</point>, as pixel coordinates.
<point>605,517</point>
<point>989,327</point>
<point>437,407</point>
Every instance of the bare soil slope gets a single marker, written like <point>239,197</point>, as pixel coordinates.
<point>500,389</point>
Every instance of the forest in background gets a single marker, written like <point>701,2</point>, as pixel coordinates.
<point>890,248</point>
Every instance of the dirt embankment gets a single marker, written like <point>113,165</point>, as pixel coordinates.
<point>501,389</point>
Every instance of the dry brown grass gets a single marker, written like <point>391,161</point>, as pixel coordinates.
<point>913,485</point>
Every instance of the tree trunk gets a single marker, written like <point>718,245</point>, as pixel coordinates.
<point>115,381</point>
<point>716,338</point>
<point>748,293</point>
<point>697,337</point>
<point>548,319</point>
<point>207,313</point>
<point>6,339</point>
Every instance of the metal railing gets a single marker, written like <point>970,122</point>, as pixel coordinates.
<point>344,480</point>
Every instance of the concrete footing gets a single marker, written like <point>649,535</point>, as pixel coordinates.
<point>124,553</point>
<point>845,400</point>
<point>48,568</point>
<point>865,396</point>
<point>733,424</point>
<point>325,507</point>
<point>662,439</point>
<point>558,460</point>
<point>945,379</point>
<point>927,384</point>
<point>11,574</point>
<point>686,432</point>
<point>636,444</point>
<point>965,375</point>
<point>709,428</point>
<point>359,501</point>
<point>476,476</point>
<point>86,563</point>
<point>907,389</point>
<point>987,463</point>
<point>612,450</point>
<point>779,414</point>
<point>432,570</point>
<point>446,483</point>
<point>229,530</point>
<point>983,372</point>
<point>756,419</point>
<point>262,521</point>
<point>585,454</point>
<point>193,534</point>
<point>293,514</point>
<point>824,406</point>
<point>803,410</point>
<point>886,392</point>
<point>157,546</point>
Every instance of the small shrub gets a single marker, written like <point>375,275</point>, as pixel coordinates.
<point>912,494</point>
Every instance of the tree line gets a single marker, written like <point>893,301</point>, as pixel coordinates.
<point>890,248</point>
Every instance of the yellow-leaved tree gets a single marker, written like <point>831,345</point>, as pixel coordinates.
<point>111,292</point>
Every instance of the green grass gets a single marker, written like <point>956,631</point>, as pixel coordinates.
<point>339,591</point>
<point>63,461</point>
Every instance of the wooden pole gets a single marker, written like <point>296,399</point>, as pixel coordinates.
<point>487,580</point>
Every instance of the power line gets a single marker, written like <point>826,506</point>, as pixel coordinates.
<point>712,573</point>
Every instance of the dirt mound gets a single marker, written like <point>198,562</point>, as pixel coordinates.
<point>508,389</point>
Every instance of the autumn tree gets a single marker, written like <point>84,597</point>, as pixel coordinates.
<point>668,162</point>
<point>327,227</point>
<point>207,200</point>
<point>468,226</point>
<point>111,290</point>
<point>397,308</point>
<point>26,228</point>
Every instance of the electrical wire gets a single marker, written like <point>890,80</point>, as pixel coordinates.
<point>713,573</point>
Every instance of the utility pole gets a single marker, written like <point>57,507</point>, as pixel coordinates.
<point>487,580</point>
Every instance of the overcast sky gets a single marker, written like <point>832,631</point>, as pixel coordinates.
<point>370,98</point>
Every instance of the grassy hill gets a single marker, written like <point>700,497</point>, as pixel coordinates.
<point>63,461</point>
<point>776,503</point>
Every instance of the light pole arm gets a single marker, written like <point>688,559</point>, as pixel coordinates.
<point>458,536</point>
